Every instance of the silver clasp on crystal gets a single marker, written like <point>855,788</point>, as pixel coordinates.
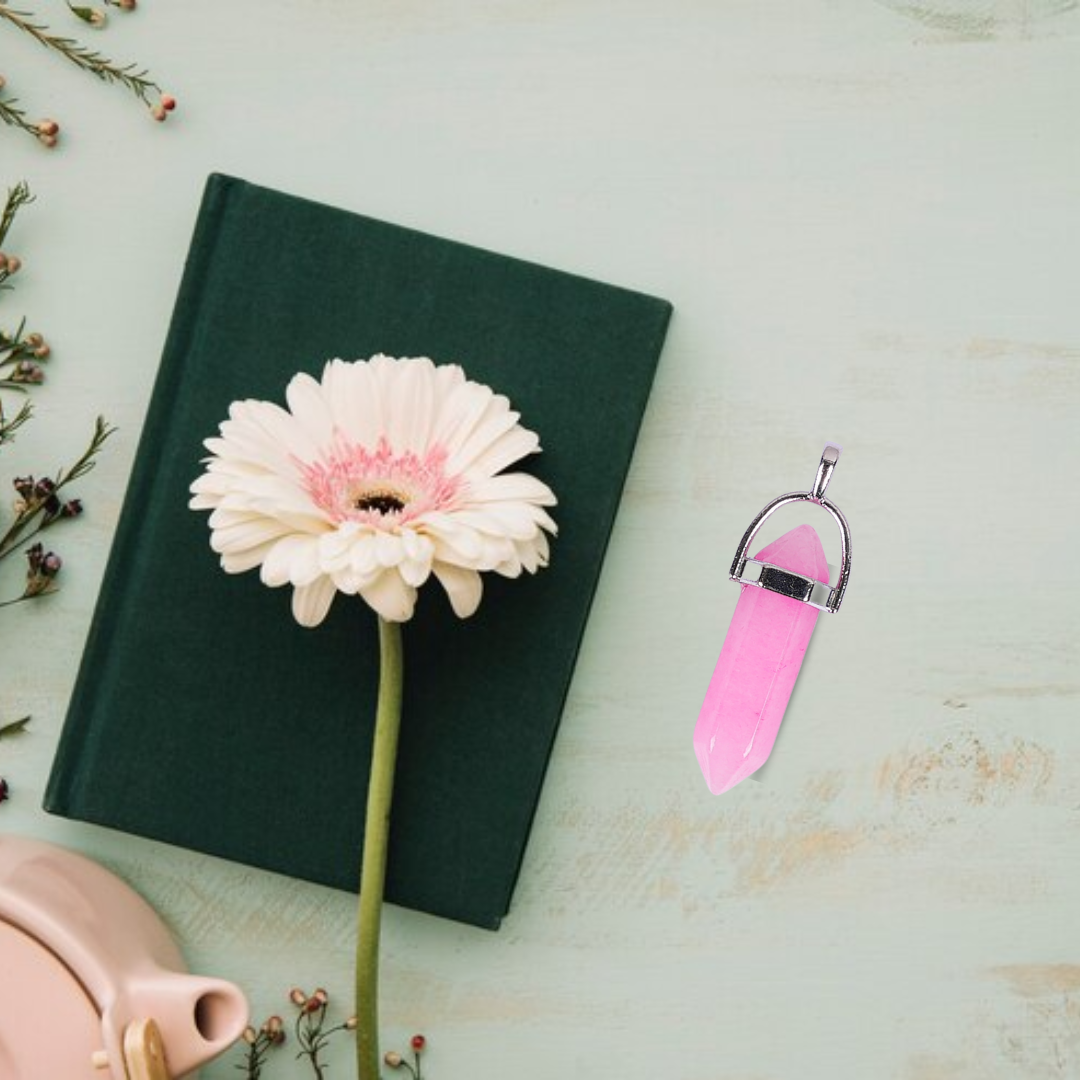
<point>776,579</point>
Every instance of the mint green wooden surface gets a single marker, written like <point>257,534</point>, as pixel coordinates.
<point>868,216</point>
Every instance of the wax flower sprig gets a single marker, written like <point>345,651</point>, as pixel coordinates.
<point>133,78</point>
<point>40,503</point>
<point>414,1068</point>
<point>38,507</point>
<point>310,1030</point>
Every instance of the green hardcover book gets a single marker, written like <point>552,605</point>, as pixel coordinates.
<point>203,714</point>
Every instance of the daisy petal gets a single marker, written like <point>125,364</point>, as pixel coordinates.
<point>508,448</point>
<point>309,408</point>
<point>390,596</point>
<point>411,406</point>
<point>277,567</point>
<point>507,486</point>
<point>242,561</point>
<point>310,603</point>
<point>463,587</point>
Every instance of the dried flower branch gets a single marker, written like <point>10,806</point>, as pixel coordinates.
<point>130,76</point>
<point>397,1061</point>
<point>311,1033</point>
<point>257,1044</point>
<point>12,115</point>
<point>38,504</point>
<point>18,197</point>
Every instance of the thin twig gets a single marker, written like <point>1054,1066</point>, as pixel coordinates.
<point>9,427</point>
<point>138,82</point>
<point>16,533</point>
<point>17,198</point>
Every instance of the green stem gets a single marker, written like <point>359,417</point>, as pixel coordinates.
<point>138,82</point>
<point>14,534</point>
<point>12,115</point>
<point>376,835</point>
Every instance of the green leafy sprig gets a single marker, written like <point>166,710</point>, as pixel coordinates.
<point>132,77</point>
<point>127,75</point>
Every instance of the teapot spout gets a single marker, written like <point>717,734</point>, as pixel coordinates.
<point>198,1017</point>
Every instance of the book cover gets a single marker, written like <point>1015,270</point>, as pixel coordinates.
<point>203,715</point>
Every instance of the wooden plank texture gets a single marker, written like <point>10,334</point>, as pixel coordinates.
<point>867,214</point>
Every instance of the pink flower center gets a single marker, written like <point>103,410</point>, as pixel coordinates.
<point>378,487</point>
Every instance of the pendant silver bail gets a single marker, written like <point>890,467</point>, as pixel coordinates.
<point>829,457</point>
<point>747,571</point>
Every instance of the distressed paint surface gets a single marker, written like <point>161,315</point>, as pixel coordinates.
<point>867,214</point>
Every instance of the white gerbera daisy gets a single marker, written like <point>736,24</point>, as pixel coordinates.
<point>384,472</point>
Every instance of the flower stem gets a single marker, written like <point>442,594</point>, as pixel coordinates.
<point>376,836</point>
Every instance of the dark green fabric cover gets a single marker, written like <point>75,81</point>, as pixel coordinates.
<point>203,714</point>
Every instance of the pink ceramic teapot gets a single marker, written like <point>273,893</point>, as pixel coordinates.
<point>92,985</point>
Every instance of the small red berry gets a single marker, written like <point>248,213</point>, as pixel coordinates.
<point>418,1042</point>
<point>168,102</point>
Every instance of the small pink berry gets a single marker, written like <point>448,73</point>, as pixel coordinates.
<point>158,113</point>
<point>168,102</point>
<point>393,1059</point>
<point>48,127</point>
<point>127,5</point>
<point>297,996</point>
<point>14,264</point>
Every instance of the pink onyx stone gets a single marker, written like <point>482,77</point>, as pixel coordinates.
<point>758,666</point>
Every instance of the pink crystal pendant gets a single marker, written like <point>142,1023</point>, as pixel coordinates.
<point>783,588</point>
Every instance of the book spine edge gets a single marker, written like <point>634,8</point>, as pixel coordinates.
<point>62,793</point>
